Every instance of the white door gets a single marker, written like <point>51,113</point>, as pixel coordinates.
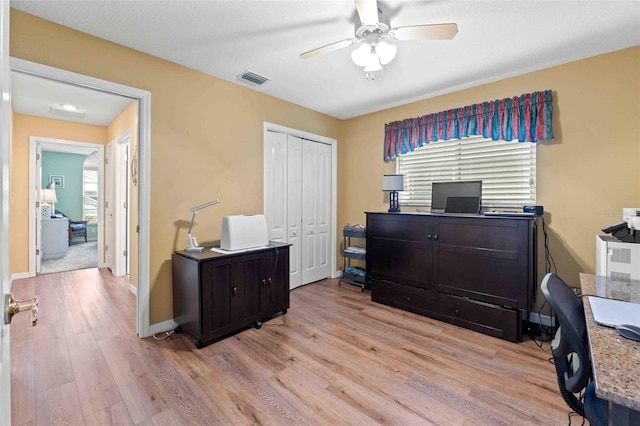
<point>109,206</point>
<point>275,182</point>
<point>316,211</point>
<point>120,210</point>
<point>294,209</point>
<point>287,177</point>
<point>38,210</point>
<point>283,218</point>
<point>5,91</point>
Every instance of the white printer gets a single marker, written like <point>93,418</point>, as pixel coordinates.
<point>618,255</point>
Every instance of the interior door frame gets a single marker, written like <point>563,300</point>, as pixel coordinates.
<point>334,179</point>
<point>144,167</point>
<point>38,144</point>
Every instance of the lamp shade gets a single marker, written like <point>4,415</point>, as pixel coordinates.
<point>393,183</point>
<point>48,196</point>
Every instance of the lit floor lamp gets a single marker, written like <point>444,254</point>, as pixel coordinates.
<point>47,199</point>
<point>393,184</point>
<point>192,243</point>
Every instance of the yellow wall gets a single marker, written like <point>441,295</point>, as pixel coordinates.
<point>25,126</point>
<point>206,136</point>
<point>585,176</point>
<point>127,120</point>
<point>207,143</point>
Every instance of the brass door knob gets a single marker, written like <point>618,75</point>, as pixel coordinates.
<point>13,306</point>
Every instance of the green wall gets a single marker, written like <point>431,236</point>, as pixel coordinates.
<point>70,166</point>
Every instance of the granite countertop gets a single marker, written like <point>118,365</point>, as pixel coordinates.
<point>616,360</point>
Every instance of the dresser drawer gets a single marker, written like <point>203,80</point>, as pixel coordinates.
<point>482,317</point>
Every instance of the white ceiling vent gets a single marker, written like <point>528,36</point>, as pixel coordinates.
<point>66,113</point>
<point>252,78</point>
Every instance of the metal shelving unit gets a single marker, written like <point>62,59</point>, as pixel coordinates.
<point>353,275</point>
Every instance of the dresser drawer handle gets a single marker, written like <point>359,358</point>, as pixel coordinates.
<point>408,298</point>
<point>235,290</point>
<point>457,311</point>
<point>429,236</point>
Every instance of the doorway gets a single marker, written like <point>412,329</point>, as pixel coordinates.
<point>142,166</point>
<point>69,236</point>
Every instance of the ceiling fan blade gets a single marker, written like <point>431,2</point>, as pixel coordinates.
<point>424,32</point>
<point>367,11</point>
<point>328,48</point>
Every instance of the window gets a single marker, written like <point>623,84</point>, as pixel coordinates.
<point>507,170</point>
<point>90,194</point>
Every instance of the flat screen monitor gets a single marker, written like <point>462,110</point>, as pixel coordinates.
<point>440,191</point>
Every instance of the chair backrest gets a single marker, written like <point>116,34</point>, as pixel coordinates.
<point>570,345</point>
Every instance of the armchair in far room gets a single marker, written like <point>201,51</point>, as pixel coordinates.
<point>77,228</point>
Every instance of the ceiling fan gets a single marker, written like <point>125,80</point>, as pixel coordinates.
<point>372,32</point>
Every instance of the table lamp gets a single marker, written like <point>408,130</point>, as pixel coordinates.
<point>393,184</point>
<point>47,199</point>
<point>192,243</point>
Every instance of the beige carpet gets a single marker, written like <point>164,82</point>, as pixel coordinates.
<point>79,256</point>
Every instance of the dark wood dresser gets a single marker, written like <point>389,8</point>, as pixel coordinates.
<point>474,271</point>
<point>215,294</point>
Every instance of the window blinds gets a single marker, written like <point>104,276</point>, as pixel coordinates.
<point>507,170</point>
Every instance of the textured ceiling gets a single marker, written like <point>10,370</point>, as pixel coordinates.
<point>495,40</point>
<point>31,95</point>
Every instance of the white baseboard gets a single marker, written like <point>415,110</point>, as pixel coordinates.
<point>161,327</point>
<point>133,289</point>
<point>19,276</point>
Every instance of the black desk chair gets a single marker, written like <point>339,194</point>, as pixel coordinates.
<point>571,354</point>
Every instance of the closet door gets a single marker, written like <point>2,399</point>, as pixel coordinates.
<point>275,182</point>
<point>294,209</point>
<point>316,211</point>
<point>282,196</point>
<point>297,203</point>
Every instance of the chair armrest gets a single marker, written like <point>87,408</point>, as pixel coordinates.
<point>78,222</point>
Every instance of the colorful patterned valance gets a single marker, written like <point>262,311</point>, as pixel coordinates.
<point>526,118</point>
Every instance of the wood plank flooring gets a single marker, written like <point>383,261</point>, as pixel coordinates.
<point>336,358</point>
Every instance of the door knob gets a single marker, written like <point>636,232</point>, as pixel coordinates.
<point>235,289</point>
<point>13,306</point>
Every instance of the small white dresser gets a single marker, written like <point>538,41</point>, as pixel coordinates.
<point>55,238</point>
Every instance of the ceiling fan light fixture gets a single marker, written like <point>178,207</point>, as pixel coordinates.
<point>373,63</point>
<point>360,56</point>
<point>386,52</point>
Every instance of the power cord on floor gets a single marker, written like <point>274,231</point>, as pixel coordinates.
<point>164,335</point>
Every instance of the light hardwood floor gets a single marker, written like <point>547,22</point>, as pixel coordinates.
<point>336,358</point>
